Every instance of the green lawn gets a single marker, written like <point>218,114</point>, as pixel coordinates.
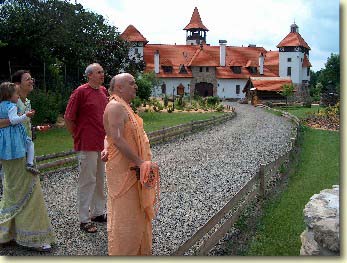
<point>157,120</point>
<point>58,139</point>
<point>278,232</point>
<point>301,112</point>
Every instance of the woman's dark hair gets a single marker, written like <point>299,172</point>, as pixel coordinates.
<point>7,89</point>
<point>17,76</point>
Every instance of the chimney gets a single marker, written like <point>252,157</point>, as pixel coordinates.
<point>156,62</point>
<point>261,64</point>
<point>222,53</point>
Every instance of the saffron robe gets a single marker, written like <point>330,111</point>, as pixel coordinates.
<point>130,205</point>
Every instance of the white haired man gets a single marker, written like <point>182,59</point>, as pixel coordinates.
<point>84,120</point>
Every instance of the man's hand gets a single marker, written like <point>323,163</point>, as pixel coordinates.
<point>104,155</point>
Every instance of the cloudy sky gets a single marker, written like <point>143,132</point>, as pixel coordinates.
<point>261,22</point>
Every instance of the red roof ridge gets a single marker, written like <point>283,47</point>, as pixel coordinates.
<point>203,58</point>
<point>270,78</point>
<point>195,21</point>
<point>131,34</point>
<point>293,39</point>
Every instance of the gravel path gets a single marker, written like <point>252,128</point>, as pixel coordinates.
<point>199,174</point>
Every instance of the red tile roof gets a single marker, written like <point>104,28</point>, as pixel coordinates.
<point>195,21</point>
<point>176,54</point>
<point>192,55</point>
<point>204,57</point>
<point>306,63</point>
<point>132,34</point>
<point>293,40</point>
<point>271,62</point>
<point>270,84</point>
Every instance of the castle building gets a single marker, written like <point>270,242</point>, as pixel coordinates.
<point>228,72</point>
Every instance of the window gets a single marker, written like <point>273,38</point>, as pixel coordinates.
<point>289,59</point>
<point>207,69</point>
<point>252,70</point>
<point>289,71</point>
<point>183,69</point>
<point>167,69</point>
<point>237,89</point>
<point>236,69</point>
<point>200,69</point>
<point>136,50</point>
<point>308,71</point>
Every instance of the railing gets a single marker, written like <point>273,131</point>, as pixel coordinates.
<point>254,188</point>
<point>155,137</point>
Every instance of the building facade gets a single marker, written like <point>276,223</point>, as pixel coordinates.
<point>223,71</point>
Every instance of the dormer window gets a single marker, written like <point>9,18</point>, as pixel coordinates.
<point>167,69</point>
<point>236,69</point>
<point>252,70</point>
<point>182,69</point>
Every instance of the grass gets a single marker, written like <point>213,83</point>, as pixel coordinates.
<point>278,232</point>
<point>156,120</point>
<point>301,112</point>
<point>53,141</point>
<point>59,139</point>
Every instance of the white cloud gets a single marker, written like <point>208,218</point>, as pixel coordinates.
<point>261,22</point>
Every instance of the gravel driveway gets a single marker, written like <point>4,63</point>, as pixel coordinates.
<point>199,174</point>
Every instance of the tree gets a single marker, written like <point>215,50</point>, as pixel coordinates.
<point>56,40</point>
<point>41,32</point>
<point>287,91</point>
<point>146,83</point>
<point>326,80</point>
<point>331,73</point>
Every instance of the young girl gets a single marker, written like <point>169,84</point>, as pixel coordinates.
<point>14,142</point>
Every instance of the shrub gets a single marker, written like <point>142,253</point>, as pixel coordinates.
<point>170,109</point>
<point>48,106</point>
<point>166,101</point>
<point>135,104</point>
<point>212,101</point>
<point>220,108</point>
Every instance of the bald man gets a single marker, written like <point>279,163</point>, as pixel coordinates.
<point>130,205</point>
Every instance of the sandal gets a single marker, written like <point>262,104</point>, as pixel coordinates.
<point>100,218</point>
<point>88,227</point>
<point>44,248</point>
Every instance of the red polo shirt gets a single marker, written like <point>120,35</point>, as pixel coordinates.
<point>86,108</point>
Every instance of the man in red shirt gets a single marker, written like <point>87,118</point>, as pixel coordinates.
<point>84,120</point>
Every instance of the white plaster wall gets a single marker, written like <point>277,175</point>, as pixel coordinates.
<point>132,52</point>
<point>229,86</point>
<point>171,83</point>
<point>296,64</point>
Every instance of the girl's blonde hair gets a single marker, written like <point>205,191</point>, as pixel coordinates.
<point>7,89</point>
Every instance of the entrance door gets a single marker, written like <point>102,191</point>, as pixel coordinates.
<point>204,89</point>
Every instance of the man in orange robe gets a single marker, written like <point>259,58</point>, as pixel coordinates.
<point>130,202</point>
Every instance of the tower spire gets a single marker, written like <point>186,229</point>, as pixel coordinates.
<point>195,30</point>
